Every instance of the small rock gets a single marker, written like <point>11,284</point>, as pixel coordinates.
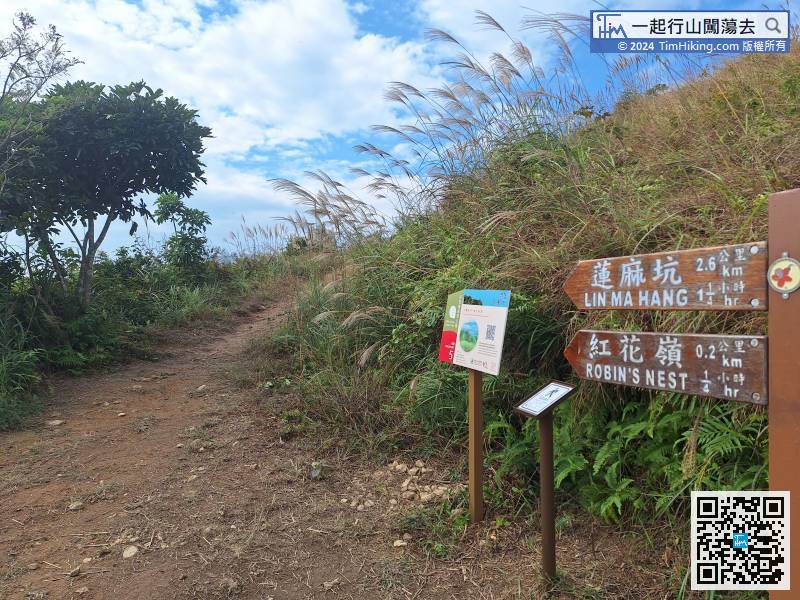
<point>409,495</point>
<point>393,501</point>
<point>230,585</point>
<point>328,585</point>
<point>179,445</point>
<point>405,484</point>
<point>343,500</point>
<point>401,468</point>
<point>425,497</point>
<point>77,505</point>
<point>81,590</point>
<point>106,404</point>
<point>407,537</point>
<point>191,478</point>
<point>369,504</point>
<point>55,422</point>
<point>317,471</point>
<point>400,543</point>
<point>137,388</point>
<point>413,470</point>
<point>33,566</point>
<point>130,552</point>
<point>360,507</point>
<point>88,559</point>
<point>419,464</point>
<point>120,414</point>
<point>75,572</point>
<point>201,389</point>
<point>456,512</point>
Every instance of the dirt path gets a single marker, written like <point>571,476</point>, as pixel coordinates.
<point>171,461</point>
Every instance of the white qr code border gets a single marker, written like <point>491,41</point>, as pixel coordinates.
<point>695,585</point>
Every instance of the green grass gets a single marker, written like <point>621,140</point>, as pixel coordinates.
<point>669,168</point>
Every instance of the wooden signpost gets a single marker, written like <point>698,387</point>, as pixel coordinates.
<point>715,278</point>
<point>784,364</point>
<point>755,276</point>
<point>472,337</point>
<point>732,367</point>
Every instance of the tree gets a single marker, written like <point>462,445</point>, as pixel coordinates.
<point>186,247</point>
<point>30,62</point>
<point>96,152</point>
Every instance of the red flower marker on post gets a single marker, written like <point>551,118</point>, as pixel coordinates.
<point>782,276</point>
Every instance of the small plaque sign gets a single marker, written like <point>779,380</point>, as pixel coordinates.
<point>546,399</point>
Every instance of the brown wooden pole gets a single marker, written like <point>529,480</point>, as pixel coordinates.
<point>547,495</point>
<point>475,396</point>
<point>784,367</point>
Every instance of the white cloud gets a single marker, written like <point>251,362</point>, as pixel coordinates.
<point>272,73</point>
<point>272,77</point>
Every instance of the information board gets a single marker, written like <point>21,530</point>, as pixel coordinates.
<point>474,329</point>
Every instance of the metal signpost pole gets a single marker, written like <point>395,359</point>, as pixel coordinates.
<point>547,495</point>
<point>475,410</point>
<point>540,406</point>
<point>784,367</point>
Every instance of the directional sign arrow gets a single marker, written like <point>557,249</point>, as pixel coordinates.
<point>714,278</point>
<point>733,367</point>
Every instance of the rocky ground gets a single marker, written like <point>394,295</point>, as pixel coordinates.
<point>166,480</point>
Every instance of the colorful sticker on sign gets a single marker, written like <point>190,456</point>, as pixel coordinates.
<point>450,330</point>
<point>474,328</point>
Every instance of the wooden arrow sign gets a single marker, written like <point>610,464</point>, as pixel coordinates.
<point>733,367</point>
<point>715,278</point>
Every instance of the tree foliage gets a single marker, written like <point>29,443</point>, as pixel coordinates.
<point>97,150</point>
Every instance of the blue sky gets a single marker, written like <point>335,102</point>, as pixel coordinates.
<point>286,85</point>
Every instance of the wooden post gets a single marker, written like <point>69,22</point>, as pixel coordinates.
<point>475,410</point>
<point>547,495</point>
<point>784,367</point>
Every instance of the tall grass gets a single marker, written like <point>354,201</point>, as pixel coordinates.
<point>519,174</point>
<point>18,374</point>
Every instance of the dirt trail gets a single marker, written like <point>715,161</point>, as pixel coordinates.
<point>169,458</point>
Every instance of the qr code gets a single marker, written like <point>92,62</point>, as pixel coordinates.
<point>490,332</point>
<point>740,540</point>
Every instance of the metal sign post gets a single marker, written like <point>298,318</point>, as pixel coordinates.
<point>547,495</point>
<point>540,406</point>
<point>783,277</point>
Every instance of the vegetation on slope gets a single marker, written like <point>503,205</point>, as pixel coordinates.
<point>516,189</point>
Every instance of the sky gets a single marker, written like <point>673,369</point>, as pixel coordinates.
<point>286,86</point>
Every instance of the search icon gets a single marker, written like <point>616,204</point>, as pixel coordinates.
<point>772,25</point>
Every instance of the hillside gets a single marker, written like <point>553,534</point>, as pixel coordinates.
<point>669,168</point>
